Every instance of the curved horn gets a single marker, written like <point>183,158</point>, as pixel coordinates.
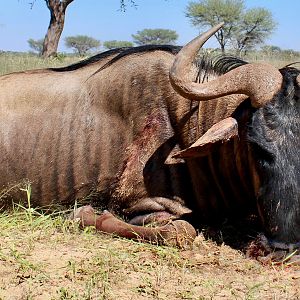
<point>258,81</point>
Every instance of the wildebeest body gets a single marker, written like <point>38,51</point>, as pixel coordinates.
<point>108,129</point>
<point>75,133</point>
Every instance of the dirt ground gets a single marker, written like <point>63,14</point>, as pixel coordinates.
<point>53,259</point>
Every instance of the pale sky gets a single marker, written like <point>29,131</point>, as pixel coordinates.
<point>102,19</point>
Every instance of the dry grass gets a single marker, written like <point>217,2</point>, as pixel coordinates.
<point>277,61</point>
<point>49,257</point>
<point>14,62</point>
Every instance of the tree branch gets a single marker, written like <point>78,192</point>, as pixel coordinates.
<point>31,3</point>
<point>67,2</point>
<point>53,3</point>
<point>123,4</point>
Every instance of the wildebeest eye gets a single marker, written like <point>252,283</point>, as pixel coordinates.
<point>262,155</point>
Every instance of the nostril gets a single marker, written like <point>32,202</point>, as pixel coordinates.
<point>268,251</point>
<point>259,247</point>
<point>273,244</point>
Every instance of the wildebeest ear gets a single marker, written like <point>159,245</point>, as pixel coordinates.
<point>221,132</point>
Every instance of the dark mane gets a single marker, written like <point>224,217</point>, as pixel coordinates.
<point>121,52</point>
<point>207,65</point>
<point>88,61</point>
<point>217,65</point>
<point>136,50</point>
<point>224,64</point>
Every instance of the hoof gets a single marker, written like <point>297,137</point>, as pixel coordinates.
<point>82,211</point>
<point>179,233</point>
<point>85,215</point>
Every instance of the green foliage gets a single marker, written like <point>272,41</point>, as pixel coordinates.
<point>155,37</point>
<point>123,4</point>
<point>117,44</point>
<point>255,26</point>
<point>81,43</point>
<point>212,12</point>
<point>207,13</point>
<point>243,28</point>
<point>36,45</point>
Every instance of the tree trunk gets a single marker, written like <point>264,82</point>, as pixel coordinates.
<point>223,49</point>
<point>57,10</point>
<point>53,35</point>
<point>220,38</point>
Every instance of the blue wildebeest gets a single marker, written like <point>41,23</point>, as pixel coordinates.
<point>152,137</point>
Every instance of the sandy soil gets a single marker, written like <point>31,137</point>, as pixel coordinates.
<point>53,263</point>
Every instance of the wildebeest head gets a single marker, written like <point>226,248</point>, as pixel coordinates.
<point>274,137</point>
<point>273,134</point>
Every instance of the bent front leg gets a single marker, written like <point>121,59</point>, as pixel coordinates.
<point>175,233</point>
